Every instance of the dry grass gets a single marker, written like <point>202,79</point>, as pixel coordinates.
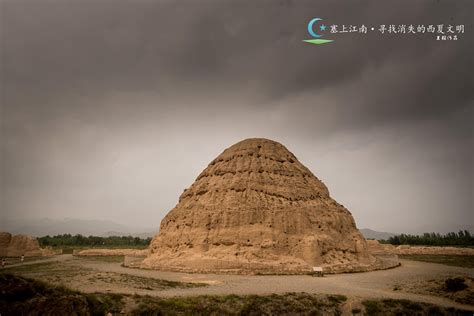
<point>459,289</point>
<point>283,304</point>
<point>392,307</point>
<point>61,272</point>
<point>139,282</point>
<point>23,296</point>
<point>450,260</point>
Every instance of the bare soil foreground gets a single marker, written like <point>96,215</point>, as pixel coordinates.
<point>376,292</point>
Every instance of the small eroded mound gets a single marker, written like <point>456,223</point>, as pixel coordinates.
<point>17,245</point>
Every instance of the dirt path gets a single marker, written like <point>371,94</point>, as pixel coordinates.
<point>376,284</point>
<point>51,259</point>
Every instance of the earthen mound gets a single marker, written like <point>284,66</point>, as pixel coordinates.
<point>17,245</point>
<point>257,209</point>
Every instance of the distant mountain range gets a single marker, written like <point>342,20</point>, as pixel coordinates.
<point>372,234</point>
<point>46,226</point>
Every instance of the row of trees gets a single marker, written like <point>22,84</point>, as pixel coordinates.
<point>93,241</point>
<point>462,238</point>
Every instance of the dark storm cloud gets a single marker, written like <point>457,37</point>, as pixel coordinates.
<point>89,85</point>
<point>172,47</point>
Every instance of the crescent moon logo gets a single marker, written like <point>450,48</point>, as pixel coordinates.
<point>310,27</point>
<point>316,38</point>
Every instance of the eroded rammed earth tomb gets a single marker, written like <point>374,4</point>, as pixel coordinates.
<point>257,209</point>
<point>18,245</point>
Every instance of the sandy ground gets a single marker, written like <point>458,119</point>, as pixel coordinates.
<point>376,284</point>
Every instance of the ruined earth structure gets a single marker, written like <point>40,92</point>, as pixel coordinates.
<point>257,209</point>
<point>17,245</point>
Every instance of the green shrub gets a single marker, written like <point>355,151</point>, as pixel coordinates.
<point>372,307</point>
<point>455,284</point>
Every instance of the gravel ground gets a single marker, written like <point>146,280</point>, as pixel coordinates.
<point>376,284</point>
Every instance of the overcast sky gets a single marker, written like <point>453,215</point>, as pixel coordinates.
<point>111,108</point>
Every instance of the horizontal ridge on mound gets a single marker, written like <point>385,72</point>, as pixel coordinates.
<point>257,209</point>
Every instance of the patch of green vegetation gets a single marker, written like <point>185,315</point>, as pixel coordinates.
<point>23,296</point>
<point>337,298</point>
<point>404,304</point>
<point>372,307</point>
<point>455,288</point>
<point>461,238</point>
<point>284,304</point>
<point>101,304</point>
<point>455,284</point>
<point>93,241</point>
<point>392,307</point>
<point>464,261</point>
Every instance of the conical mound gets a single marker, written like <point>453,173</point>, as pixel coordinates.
<point>257,209</point>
